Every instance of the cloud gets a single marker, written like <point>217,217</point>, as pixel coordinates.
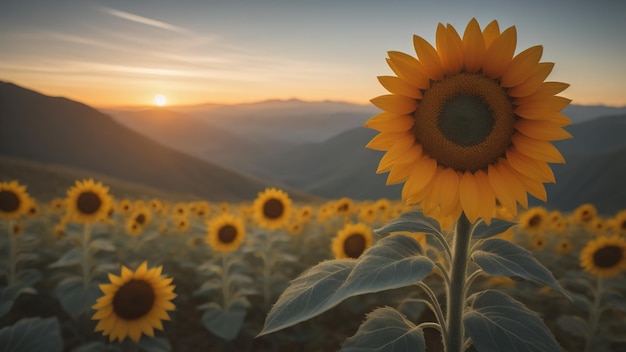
<point>144,20</point>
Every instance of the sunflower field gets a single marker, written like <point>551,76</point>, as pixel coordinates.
<point>460,262</point>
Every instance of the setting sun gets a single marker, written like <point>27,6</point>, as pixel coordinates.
<point>160,100</point>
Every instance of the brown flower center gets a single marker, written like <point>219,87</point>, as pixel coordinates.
<point>140,219</point>
<point>227,234</point>
<point>608,256</point>
<point>534,221</point>
<point>9,201</point>
<point>273,208</point>
<point>133,300</point>
<point>88,203</point>
<point>465,122</point>
<point>354,245</point>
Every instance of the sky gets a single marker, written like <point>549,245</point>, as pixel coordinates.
<point>125,52</point>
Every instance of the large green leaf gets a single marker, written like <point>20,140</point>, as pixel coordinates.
<point>32,335</point>
<point>481,230</point>
<point>226,324</point>
<point>502,258</point>
<point>393,262</point>
<point>576,326</point>
<point>71,257</point>
<point>75,297</point>
<point>386,330</point>
<point>496,322</point>
<point>414,221</point>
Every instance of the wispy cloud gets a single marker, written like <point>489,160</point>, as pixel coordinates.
<point>144,20</point>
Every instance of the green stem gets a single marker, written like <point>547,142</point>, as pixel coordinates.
<point>85,249</point>
<point>12,255</point>
<point>225,282</point>
<point>594,314</point>
<point>436,307</point>
<point>267,271</point>
<point>454,339</point>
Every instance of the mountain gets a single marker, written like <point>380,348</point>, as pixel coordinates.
<point>60,131</point>
<point>341,166</point>
<point>198,138</point>
<point>582,113</point>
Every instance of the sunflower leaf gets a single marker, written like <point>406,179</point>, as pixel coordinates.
<point>393,262</point>
<point>481,230</point>
<point>497,322</point>
<point>75,297</point>
<point>576,326</point>
<point>225,324</point>
<point>414,221</point>
<point>385,329</point>
<point>502,258</point>
<point>32,334</point>
<point>101,244</point>
<point>71,257</point>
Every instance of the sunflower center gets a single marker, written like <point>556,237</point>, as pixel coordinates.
<point>608,256</point>
<point>9,201</point>
<point>273,208</point>
<point>227,234</point>
<point>140,219</point>
<point>534,221</point>
<point>133,300</point>
<point>88,202</point>
<point>354,245</point>
<point>465,122</point>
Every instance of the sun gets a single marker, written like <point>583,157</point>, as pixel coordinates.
<point>160,100</point>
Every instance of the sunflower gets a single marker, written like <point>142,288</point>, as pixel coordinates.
<point>538,242</point>
<point>13,200</point>
<point>368,213</point>
<point>564,246</point>
<point>133,228</point>
<point>618,222</point>
<point>352,240</point>
<point>344,206</point>
<point>469,124</point>
<point>134,303</point>
<point>604,257</point>
<point>142,216</point>
<point>124,206</point>
<point>180,209</point>
<point>88,201</point>
<point>225,233</point>
<point>181,223</point>
<point>33,209</point>
<point>305,213</point>
<point>585,213</point>
<point>534,220</point>
<point>272,208</point>
<point>294,228</point>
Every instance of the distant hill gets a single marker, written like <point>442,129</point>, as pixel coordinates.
<point>341,166</point>
<point>46,181</point>
<point>198,138</point>
<point>60,131</point>
<point>582,113</point>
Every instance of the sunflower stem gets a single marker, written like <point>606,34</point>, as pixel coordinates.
<point>12,254</point>
<point>225,282</point>
<point>454,339</point>
<point>85,258</point>
<point>267,271</point>
<point>594,314</point>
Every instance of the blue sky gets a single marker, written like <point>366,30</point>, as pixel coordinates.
<point>124,52</point>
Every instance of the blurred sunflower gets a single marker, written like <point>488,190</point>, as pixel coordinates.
<point>618,222</point>
<point>272,208</point>
<point>181,223</point>
<point>368,213</point>
<point>57,204</point>
<point>564,246</point>
<point>344,206</point>
<point>598,226</point>
<point>156,205</point>
<point>142,216</point>
<point>225,233</point>
<point>352,240</point>
<point>201,209</point>
<point>180,209</point>
<point>134,303</point>
<point>468,124</point>
<point>33,209</point>
<point>538,242</point>
<point>294,228</point>
<point>13,200</point>
<point>305,213</point>
<point>133,228</point>
<point>584,213</point>
<point>534,220</point>
<point>124,207</point>
<point>604,257</point>
<point>88,201</point>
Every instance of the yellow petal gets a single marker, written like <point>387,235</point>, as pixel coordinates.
<point>409,69</point>
<point>543,130</point>
<point>491,32</point>
<point>487,196</point>
<point>473,47</point>
<point>389,122</point>
<point>424,171</point>
<point>500,188</point>
<point>396,104</point>
<point>533,186</point>
<point>399,173</point>
<point>429,58</point>
<point>399,86</point>
<point>522,66</point>
<point>450,49</point>
<point>529,86</point>
<point>499,54</point>
<point>536,110</point>
<point>401,146</point>
<point>536,149</point>
<point>384,140</point>
<point>469,196</point>
<point>515,186</point>
<point>446,189</point>
<point>545,90</point>
<point>532,168</point>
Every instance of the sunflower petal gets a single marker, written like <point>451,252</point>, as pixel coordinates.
<point>536,149</point>
<point>545,90</point>
<point>384,140</point>
<point>543,130</point>
<point>396,104</point>
<point>399,86</point>
<point>501,189</point>
<point>532,168</point>
<point>473,47</point>
<point>491,32</point>
<point>533,83</point>
<point>409,69</point>
<point>521,66</point>
<point>388,122</point>
<point>423,172</point>
<point>429,57</point>
<point>487,196</point>
<point>450,49</point>
<point>469,196</point>
<point>499,53</point>
<point>536,110</point>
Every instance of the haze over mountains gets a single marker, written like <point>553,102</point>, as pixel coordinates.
<point>314,147</point>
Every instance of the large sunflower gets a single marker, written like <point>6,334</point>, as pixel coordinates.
<point>352,240</point>
<point>468,123</point>
<point>88,201</point>
<point>225,233</point>
<point>272,208</point>
<point>604,257</point>
<point>134,303</point>
<point>14,200</point>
